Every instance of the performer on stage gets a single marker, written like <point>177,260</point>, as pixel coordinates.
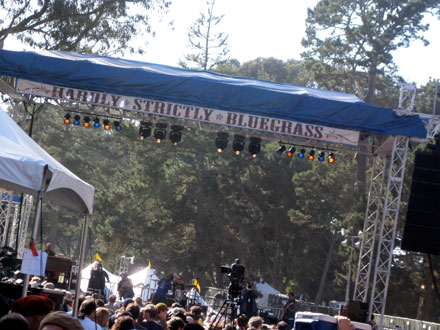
<point>289,310</point>
<point>163,286</point>
<point>125,287</point>
<point>179,292</point>
<point>98,277</point>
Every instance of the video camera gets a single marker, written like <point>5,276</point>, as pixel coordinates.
<point>236,277</point>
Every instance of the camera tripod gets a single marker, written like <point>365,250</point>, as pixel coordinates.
<point>228,311</point>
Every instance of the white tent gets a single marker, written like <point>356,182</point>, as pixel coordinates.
<point>26,167</point>
<point>265,289</point>
<point>23,164</point>
<point>111,286</point>
<point>144,282</point>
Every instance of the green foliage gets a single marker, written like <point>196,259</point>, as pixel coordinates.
<point>86,26</point>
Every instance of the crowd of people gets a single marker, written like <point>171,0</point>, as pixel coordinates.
<point>37,313</point>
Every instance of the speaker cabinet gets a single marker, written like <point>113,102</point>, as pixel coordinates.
<point>422,226</point>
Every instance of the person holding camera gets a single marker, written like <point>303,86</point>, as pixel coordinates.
<point>289,310</point>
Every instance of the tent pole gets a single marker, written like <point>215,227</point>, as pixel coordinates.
<point>33,236</point>
<point>81,262</point>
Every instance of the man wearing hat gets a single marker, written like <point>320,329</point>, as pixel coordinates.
<point>162,314</point>
<point>60,321</point>
<point>33,308</point>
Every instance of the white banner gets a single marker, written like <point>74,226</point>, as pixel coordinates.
<point>213,116</point>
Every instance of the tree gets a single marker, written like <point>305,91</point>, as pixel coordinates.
<point>349,44</point>
<point>102,26</point>
<point>210,47</point>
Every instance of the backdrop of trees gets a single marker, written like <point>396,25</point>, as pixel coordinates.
<point>189,209</point>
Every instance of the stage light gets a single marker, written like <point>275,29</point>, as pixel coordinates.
<point>106,124</point>
<point>86,121</point>
<point>176,134</point>
<point>221,142</point>
<point>160,132</point>
<point>291,151</point>
<point>311,155</point>
<point>76,120</point>
<point>321,156</point>
<point>281,150</point>
<point>96,124</point>
<point>67,119</point>
<point>331,158</point>
<point>117,125</point>
<point>301,153</point>
<point>254,146</point>
<point>144,130</point>
<point>238,144</point>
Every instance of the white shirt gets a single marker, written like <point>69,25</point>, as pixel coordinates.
<point>88,324</point>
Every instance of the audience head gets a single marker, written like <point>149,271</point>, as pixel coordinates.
<point>124,323</point>
<point>60,321</point>
<point>176,323</point>
<point>102,316</point>
<point>150,312</point>
<point>87,308</point>
<point>193,326</point>
<point>112,299</point>
<point>14,321</point>
<point>134,310</point>
<point>162,311</point>
<point>282,325</point>
<point>33,308</point>
<point>255,322</point>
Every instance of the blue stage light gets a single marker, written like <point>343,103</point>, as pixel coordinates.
<point>301,153</point>
<point>76,120</point>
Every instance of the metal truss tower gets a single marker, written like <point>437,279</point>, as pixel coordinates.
<point>381,218</point>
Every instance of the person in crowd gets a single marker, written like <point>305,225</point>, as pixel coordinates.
<point>14,321</point>
<point>163,286</point>
<point>241,322</point>
<point>87,315</point>
<point>282,325</point>
<point>198,315</point>
<point>255,322</point>
<point>135,310</point>
<point>138,301</point>
<point>33,308</point>
<point>193,326</point>
<point>49,250</point>
<point>111,303</point>
<point>289,310</point>
<point>103,317</point>
<point>124,322</point>
<point>150,313</point>
<point>60,320</point>
<point>248,305</point>
<point>125,287</point>
<point>162,314</point>
<point>175,323</point>
<point>66,306</point>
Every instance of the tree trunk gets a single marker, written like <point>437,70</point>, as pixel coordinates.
<point>325,271</point>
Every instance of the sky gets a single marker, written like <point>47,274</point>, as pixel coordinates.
<point>263,28</point>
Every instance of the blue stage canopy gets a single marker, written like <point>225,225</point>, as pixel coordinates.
<point>207,89</point>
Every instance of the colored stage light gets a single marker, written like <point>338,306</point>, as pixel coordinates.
<point>144,130</point>
<point>97,124</point>
<point>331,158</point>
<point>67,119</point>
<point>117,125</point>
<point>160,132</point>
<point>106,124</point>
<point>176,134</point>
<point>86,121</point>
<point>221,142</point>
<point>321,156</point>
<point>281,150</point>
<point>238,144</point>
<point>255,146</point>
<point>311,155</point>
<point>76,120</point>
<point>301,153</point>
<point>291,151</point>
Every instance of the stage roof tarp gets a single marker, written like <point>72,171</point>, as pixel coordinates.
<point>22,166</point>
<point>208,90</point>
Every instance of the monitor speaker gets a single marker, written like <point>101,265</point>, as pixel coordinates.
<point>422,226</point>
